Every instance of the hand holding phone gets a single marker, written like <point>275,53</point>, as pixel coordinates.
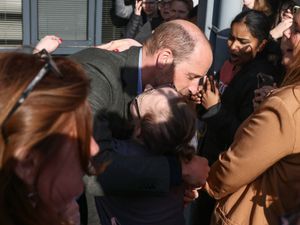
<point>264,80</point>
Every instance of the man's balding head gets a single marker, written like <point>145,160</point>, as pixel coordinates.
<point>181,37</point>
<point>177,52</point>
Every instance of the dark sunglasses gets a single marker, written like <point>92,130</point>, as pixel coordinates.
<point>138,99</point>
<point>49,65</point>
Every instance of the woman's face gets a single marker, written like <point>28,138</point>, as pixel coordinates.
<point>290,43</point>
<point>243,47</point>
<point>57,176</point>
<point>179,10</point>
<point>149,7</point>
<point>164,7</point>
<point>249,3</point>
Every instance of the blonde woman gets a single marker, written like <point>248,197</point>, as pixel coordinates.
<point>45,139</point>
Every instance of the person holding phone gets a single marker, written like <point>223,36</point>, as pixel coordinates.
<point>257,180</point>
<point>231,103</point>
<point>288,9</point>
<point>224,110</point>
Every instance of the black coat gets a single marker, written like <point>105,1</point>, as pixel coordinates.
<point>236,105</point>
<point>114,79</point>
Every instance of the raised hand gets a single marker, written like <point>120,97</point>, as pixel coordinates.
<point>138,7</point>
<point>210,94</point>
<point>119,45</point>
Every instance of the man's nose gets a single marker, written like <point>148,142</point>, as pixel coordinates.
<point>193,88</point>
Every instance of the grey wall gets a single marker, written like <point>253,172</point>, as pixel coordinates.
<point>214,18</point>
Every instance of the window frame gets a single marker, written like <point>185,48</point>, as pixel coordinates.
<point>69,47</point>
<point>30,28</point>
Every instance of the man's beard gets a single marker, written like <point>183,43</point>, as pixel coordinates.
<point>165,76</point>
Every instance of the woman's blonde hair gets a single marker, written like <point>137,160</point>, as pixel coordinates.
<point>36,125</point>
<point>292,76</point>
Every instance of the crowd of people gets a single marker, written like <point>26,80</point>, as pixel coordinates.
<point>132,131</point>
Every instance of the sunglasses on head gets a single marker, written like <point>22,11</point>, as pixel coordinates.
<point>49,65</point>
<point>138,99</point>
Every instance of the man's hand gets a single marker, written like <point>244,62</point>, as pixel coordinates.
<point>195,171</point>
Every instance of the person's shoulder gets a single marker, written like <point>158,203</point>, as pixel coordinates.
<point>90,53</point>
<point>288,95</point>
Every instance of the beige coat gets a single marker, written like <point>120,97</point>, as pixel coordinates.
<point>258,179</point>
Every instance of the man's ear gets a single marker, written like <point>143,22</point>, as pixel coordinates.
<point>165,58</point>
<point>26,169</point>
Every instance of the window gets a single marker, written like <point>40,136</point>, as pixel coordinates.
<point>10,23</point>
<point>72,20</point>
<point>80,23</point>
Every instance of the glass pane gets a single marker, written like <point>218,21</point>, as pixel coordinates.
<point>10,22</point>
<point>109,31</point>
<point>66,18</point>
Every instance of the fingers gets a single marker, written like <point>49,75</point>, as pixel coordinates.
<point>138,7</point>
<point>106,46</point>
<point>208,84</point>
<point>49,43</point>
<point>54,38</point>
<point>190,195</point>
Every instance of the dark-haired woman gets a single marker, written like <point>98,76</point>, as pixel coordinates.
<point>257,180</point>
<point>223,115</point>
<point>231,104</point>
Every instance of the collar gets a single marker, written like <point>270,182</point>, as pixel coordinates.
<point>140,84</point>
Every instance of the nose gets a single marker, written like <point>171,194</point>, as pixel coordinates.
<point>287,32</point>
<point>193,88</point>
<point>233,46</point>
<point>95,149</point>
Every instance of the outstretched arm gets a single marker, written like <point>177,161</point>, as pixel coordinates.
<point>120,45</point>
<point>49,42</point>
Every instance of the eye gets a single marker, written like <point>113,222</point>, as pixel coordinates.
<point>191,76</point>
<point>244,42</point>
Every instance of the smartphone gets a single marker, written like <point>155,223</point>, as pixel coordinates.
<point>264,80</point>
<point>295,9</point>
